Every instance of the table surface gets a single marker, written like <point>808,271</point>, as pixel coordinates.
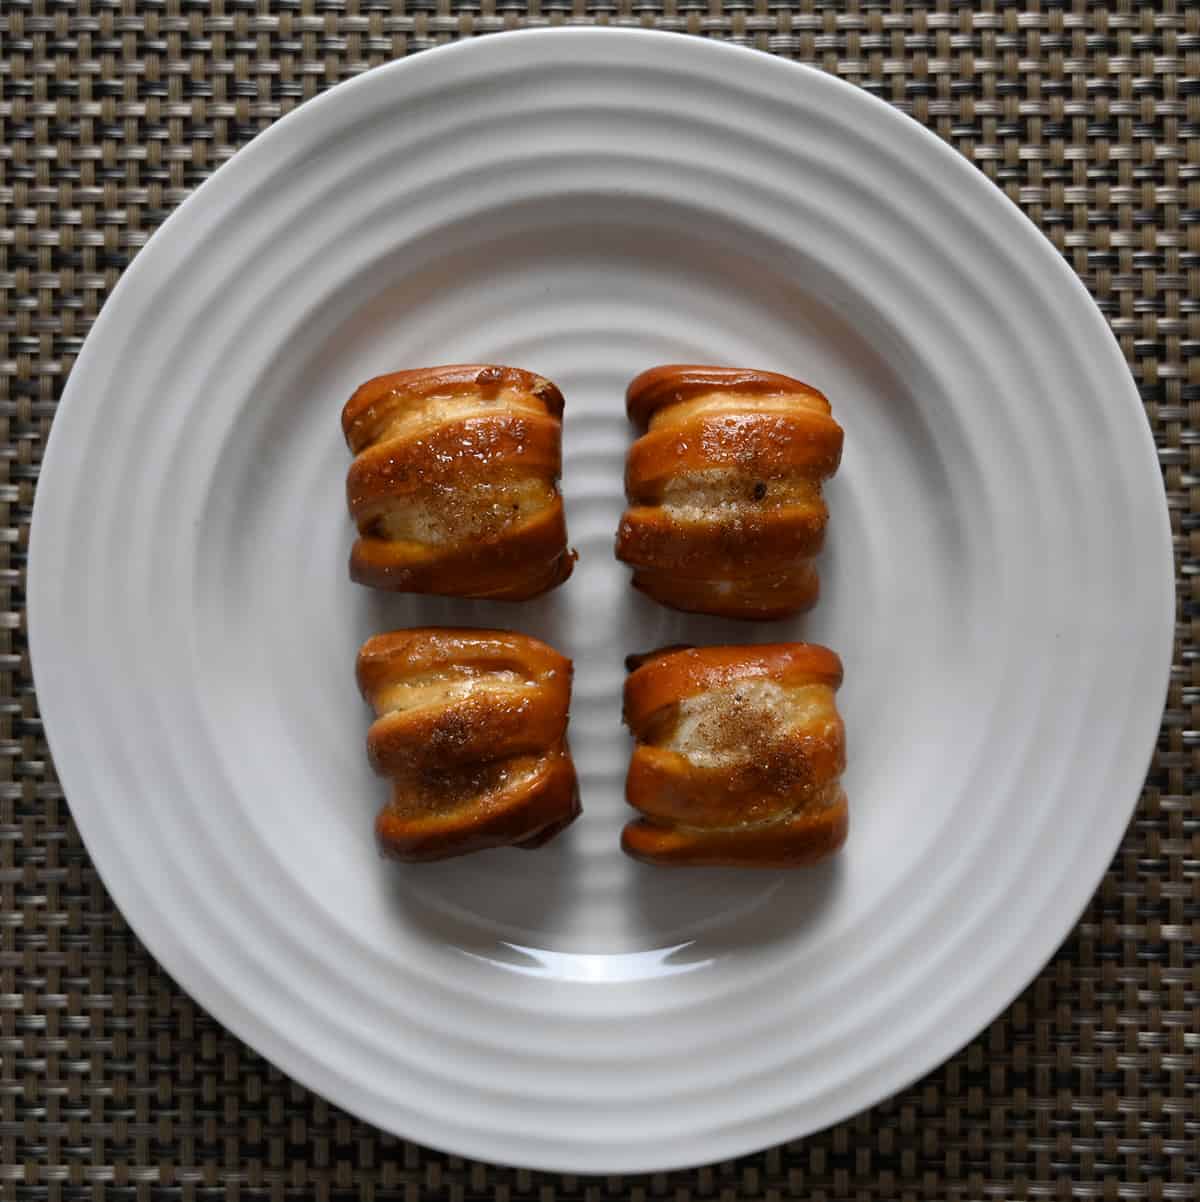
<point>114,1084</point>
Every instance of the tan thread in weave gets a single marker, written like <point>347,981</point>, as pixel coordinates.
<point>113,1084</point>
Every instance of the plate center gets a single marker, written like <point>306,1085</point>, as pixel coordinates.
<point>590,302</point>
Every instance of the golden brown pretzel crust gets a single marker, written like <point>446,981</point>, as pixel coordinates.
<point>739,757</point>
<point>471,728</point>
<point>725,509</point>
<point>454,482</point>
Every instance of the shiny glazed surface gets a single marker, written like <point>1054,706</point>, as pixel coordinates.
<point>454,484</point>
<point>470,728</point>
<point>739,757</point>
<point>726,514</point>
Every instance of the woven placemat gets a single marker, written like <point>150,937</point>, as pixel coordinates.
<point>113,1083</point>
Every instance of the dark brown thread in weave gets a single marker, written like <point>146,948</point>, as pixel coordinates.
<point>113,1084</point>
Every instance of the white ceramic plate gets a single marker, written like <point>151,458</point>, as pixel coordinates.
<point>586,204</point>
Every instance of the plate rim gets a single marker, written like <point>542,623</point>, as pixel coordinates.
<point>206,986</point>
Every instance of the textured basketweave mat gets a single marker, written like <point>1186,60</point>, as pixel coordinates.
<point>114,1084</point>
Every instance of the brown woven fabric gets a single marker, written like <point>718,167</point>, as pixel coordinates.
<point>113,1083</point>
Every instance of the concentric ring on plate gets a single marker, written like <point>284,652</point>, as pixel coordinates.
<point>661,202</point>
